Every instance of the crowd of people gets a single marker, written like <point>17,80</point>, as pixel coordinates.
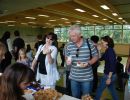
<point>81,57</point>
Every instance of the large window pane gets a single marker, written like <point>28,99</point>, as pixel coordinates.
<point>90,27</point>
<point>99,27</point>
<point>102,33</point>
<point>88,34</point>
<point>117,26</point>
<point>126,26</point>
<point>117,36</point>
<point>83,28</point>
<point>109,27</point>
<point>126,36</point>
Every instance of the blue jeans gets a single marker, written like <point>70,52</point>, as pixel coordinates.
<point>111,87</point>
<point>80,87</point>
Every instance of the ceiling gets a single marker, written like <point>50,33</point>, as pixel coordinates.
<point>62,12</point>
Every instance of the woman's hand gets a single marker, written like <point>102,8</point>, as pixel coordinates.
<point>32,68</point>
<point>108,81</point>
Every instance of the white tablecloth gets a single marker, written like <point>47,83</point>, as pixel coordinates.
<point>66,97</point>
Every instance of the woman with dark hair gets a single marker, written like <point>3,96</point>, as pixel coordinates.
<point>8,55</point>
<point>46,57</point>
<point>2,53</point>
<point>14,80</point>
<point>108,79</point>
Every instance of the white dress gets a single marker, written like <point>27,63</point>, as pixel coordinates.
<point>49,80</point>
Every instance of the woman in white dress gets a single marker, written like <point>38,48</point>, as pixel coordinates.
<point>46,57</point>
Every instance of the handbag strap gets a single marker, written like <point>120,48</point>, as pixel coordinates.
<point>89,48</point>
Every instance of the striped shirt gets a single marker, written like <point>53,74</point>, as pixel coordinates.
<point>81,54</point>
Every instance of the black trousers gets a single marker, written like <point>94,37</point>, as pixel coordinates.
<point>68,84</point>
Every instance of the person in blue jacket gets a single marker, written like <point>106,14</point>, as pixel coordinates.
<point>109,77</point>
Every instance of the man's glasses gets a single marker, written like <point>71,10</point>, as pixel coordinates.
<point>77,53</point>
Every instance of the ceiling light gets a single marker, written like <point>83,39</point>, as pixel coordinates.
<point>30,17</point>
<point>43,27</point>
<point>123,21</point>
<point>11,25</point>
<point>114,14</point>
<point>10,21</point>
<point>78,21</point>
<point>48,23</point>
<point>110,21</point>
<point>64,18</point>
<point>24,23</point>
<point>115,23</point>
<point>104,7</point>
<point>120,18</point>
<point>95,16</point>
<point>52,20</point>
<point>32,22</point>
<point>80,10</point>
<point>104,19</point>
<point>3,22</point>
<point>43,15</point>
<point>60,24</point>
<point>67,22</point>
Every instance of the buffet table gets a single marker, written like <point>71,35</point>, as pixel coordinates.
<point>66,97</point>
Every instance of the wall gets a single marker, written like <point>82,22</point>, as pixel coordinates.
<point>122,49</point>
<point>27,33</point>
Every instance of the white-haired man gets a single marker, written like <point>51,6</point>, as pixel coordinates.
<point>81,74</point>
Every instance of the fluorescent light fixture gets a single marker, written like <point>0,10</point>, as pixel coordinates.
<point>30,17</point>
<point>43,27</point>
<point>78,21</point>
<point>114,14</point>
<point>48,23</point>
<point>110,21</point>
<point>64,18</point>
<point>115,23</point>
<point>67,22</point>
<point>32,22</point>
<point>104,19</point>
<point>87,23</point>
<point>95,15</point>
<point>120,18</point>
<point>80,10</point>
<point>11,25</point>
<point>24,23</point>
<point>3,22</point>
<point>104,7</point>
<point>61,24</point>
<point>123,21</point>
<point>94,24</point>
<point>52,20</point>
<point>41,15</point>
<point>10,21</point>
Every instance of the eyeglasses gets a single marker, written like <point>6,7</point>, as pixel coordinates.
<point>77,53</point>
